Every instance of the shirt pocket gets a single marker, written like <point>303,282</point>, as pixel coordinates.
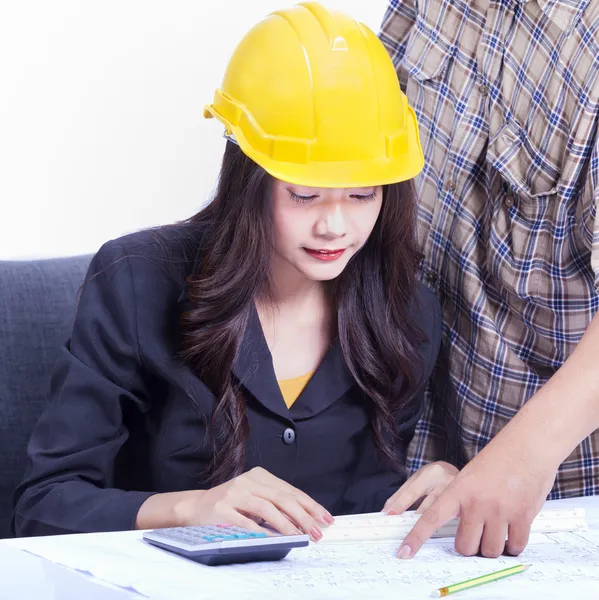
<point>427,54</point>
<point>527,171</point>
<point>525,214</point>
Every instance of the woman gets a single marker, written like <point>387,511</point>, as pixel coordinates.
<point>265,360</point>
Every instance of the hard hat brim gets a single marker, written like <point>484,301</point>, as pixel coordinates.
<point>337,174</point>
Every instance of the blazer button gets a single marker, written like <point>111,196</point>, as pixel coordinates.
<point>289,436</point>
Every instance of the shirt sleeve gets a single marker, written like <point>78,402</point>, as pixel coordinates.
<point>67,487</point>
<point>399,19</point>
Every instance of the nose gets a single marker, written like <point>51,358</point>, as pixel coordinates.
<point>332,223</point>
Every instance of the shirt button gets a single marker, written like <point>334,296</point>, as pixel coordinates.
<point>450,186</point>
<point>289,436</point>
<point>483,89</point>
<point>432,277</point>
<point>509,200</point>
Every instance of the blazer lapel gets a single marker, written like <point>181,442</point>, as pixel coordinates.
<point>331,380</point>
<point>254,369</point>
<point>253,366</point>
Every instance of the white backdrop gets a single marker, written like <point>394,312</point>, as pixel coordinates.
<point>101,127</point>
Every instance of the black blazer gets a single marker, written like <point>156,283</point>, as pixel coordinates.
<point>128,419</point>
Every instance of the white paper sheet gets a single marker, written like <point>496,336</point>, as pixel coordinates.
<point>564,565</point>
<point>349,571</point>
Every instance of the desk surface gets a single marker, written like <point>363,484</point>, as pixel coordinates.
<point>23,575</point>
<point>565,564</point>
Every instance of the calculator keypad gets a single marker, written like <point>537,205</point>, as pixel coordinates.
<point>206,534</point>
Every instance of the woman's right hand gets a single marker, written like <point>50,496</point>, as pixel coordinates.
<point>252,498</point>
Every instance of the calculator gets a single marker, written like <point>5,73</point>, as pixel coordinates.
<point>214,545</point>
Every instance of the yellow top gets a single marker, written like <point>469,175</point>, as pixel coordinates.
<point>292,388</point>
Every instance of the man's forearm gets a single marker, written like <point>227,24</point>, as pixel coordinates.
<point>566,410</point>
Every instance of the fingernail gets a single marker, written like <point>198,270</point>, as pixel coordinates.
<point>390,512</point>
<point>404,552</point>
<point>328,518</point>
<point>316,533</point>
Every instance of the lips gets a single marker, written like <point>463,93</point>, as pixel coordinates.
<point>325,255</point>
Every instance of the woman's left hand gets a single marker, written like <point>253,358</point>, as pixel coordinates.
<point>429,482</point>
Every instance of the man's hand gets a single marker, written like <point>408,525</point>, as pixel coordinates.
<point>497,496</point>
<point>500,491</point>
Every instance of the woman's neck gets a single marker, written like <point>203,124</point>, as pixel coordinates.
<point>293,293</point>
<point>296,319</point>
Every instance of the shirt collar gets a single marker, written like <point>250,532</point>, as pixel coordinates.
<point>564,13</point>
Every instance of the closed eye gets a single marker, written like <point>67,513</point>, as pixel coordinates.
<point>364,198</point>
<point>302,199</point>
<point>305,199</point>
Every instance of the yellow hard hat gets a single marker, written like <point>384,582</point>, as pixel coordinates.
<point>312,97</point>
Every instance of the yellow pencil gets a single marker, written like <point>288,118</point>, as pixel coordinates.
<point>466,585</point>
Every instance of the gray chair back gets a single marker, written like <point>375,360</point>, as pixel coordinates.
<point>37,305</point>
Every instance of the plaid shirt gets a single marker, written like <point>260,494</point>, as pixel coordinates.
<point>507,97</point>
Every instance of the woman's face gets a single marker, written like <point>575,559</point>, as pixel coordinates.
<point>318,230</point>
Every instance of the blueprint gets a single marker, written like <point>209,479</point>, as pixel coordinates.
<point>559,562</point>
<point>563,565</point>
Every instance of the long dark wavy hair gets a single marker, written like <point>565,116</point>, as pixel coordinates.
<point>371,299</point>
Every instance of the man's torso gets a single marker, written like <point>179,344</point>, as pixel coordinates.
<point>507,97</point>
